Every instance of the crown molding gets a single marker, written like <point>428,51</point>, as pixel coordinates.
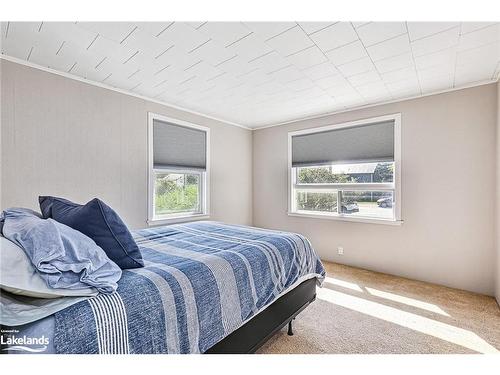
<point>121,91</point>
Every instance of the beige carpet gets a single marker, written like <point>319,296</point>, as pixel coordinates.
<point>359,311</point>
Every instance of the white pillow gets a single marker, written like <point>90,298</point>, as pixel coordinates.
<point>19,276</point>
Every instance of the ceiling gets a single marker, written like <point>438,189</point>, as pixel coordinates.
<point>263,73</point>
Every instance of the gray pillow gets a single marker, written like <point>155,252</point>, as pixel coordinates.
<point>19,276</point>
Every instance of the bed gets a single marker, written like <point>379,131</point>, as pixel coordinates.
<point>206,287</point>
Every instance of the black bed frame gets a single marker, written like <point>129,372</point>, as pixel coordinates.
<point>253,334</point>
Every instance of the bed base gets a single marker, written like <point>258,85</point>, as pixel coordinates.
<point>253,334</point>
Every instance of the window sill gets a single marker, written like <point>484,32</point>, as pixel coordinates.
<point>177,219</point>
<point>347,218</point>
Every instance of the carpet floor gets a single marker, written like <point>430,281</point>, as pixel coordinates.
<point>362,312</point>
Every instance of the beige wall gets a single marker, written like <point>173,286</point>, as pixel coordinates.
<point>448,193</point>
<point>1,118</point>
<point>497,264</point>
<point>67,138</point>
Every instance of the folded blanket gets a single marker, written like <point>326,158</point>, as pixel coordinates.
<point>64,257</point>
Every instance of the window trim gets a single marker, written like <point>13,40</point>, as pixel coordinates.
<point>395,186</point>
<point>205,176</point>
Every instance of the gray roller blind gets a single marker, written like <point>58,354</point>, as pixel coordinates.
<point>178,146</point>
<point>365,143</point>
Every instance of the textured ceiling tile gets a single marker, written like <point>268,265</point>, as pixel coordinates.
<point>213,53</point>
<point>18,38</point>
<point>434,72</point>
<point>267,30</point>
<point>236,66</point>
<point>373,91</point>
<point>270,62</point>
<point>320,71</point>
<point>468,27</point>
<point>331,81</point>
<point>183,36</point>
<point>68,32</point>
<point>307,58</point>
<point>287,74</point>
<point>436,83</point>
<point>204,70</point>
<point>406,86</point>
<point>364,78</point>
<point>116,31</point>
<point>355,67</point>
<point>376,32</point>
<point>312,27</point>
<point>106,47</point>
<point>177,57</point>
<point>260,73</point>
<point>466,74</point>
<point>419,30</point>
<point>389,48</point>
<point>45,53</point>
<point>480,37</point>
<point>343,90</point>
<point>153,28</point>
<point>31,28</point>
<point>359,23</point>
<point>445,57</point>
<point>301,84</point>
<point>334,36</point>
<point>250,47</point>
<point>290,42</point>
<point>350,52</point>
<point>224,33</point>
<point>394,63</point>
<point>196,25</point>
<point>436,42</point>
<point>146,43</point>
<point>486,54</point>
<point>405,74</point>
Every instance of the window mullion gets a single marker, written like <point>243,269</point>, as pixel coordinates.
<point>339,202</point>
<point>347,186</point>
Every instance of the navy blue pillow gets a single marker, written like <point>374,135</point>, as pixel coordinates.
<point>98,221</point>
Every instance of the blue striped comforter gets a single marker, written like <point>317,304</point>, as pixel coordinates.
<point>201,281</point>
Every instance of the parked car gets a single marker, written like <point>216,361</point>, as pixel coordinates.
<point>384,202</point>
<point>350,207</point>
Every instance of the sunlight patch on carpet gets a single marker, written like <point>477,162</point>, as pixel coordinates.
<point>443,331</point>
<point>343,284</point>
<point>407,301</point>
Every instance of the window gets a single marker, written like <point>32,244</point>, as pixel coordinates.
<point>178,170</point>
<point>177,192</point>
<point>348,171</point>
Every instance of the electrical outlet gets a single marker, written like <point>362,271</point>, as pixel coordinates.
<point>340,250</point>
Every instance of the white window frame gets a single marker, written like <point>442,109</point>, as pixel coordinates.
<point>204,212</point>
<point>395,186</point>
